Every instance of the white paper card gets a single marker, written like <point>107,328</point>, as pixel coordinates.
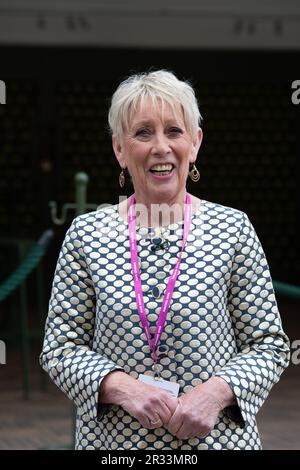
<point>171,387</point>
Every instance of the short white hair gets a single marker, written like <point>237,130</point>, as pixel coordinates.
<point>161,87</point>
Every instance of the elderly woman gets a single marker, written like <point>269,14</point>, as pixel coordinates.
<point>163,326</point>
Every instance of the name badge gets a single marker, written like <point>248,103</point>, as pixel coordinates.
<point>171,387</point>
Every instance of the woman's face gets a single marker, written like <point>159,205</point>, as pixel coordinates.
<point>154,139</point>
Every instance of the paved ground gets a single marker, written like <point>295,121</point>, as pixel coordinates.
<point>44,421</point>
<point>41,422</point>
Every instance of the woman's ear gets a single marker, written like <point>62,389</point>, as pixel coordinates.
<point>198,142</point>
<point>118,149</point>
<point>196,145</point>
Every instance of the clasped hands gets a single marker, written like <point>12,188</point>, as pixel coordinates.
<point>194,414</point>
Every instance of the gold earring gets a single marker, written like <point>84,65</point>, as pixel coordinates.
<point>122,179</point>
<point>194,173</point>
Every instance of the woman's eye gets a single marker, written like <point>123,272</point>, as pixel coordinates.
<point>142,132</point>
<point>147,132</point>
<point>175,130</point>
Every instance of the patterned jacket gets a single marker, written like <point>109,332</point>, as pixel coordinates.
<point>223,321</point>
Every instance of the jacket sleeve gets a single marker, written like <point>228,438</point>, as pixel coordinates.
<point>262,346</point>
<point>68,355</point>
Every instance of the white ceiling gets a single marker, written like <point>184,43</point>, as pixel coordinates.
<point>269,24</point>
<point>219,7</point>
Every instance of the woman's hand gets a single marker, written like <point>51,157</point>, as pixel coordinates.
<point>197,411</point>
<point>151,406</point>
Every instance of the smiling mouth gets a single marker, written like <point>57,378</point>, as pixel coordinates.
<point>163,170</point>
<point>161,176</point>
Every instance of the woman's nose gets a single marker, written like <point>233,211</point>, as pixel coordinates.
<point>161,145</point>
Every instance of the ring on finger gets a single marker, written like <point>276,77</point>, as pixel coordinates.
<point>155,423</point>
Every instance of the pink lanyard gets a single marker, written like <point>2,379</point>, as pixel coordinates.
<point>137,277</point>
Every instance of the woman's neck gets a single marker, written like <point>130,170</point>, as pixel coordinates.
<point>158,213</point>
<point>170,217</point>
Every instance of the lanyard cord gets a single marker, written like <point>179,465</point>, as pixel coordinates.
<point>137,277</point>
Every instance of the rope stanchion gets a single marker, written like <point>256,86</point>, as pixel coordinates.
<point>29,262</point>
<point>288,290</point>
<point>27,266</point>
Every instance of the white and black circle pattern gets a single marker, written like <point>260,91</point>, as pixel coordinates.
<point>223,321</point>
